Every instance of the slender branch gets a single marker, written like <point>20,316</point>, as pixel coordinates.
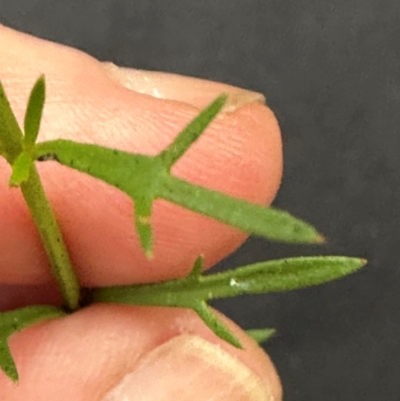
<point>12,145</point>
<point>52,239</point>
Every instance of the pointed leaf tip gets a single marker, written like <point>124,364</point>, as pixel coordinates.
<point>7,364</point>
<point>210,318</point>
<point>149,254</point>
<point>197,267</point>
<point>191,132</point>
<point>268,222</point>
<point>261,335</point>
<point>143,225</point>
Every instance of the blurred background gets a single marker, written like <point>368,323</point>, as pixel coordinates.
<point>331,72</point>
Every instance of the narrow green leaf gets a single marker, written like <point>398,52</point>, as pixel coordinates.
<point>278,275</point>
<point>145,178</point>
<point>216,324</point>
<point>34,111</point>
<point>16,320</point>
<point>21,169</point>
<point>10,132</point>
<point>191,132</point>
<point>7,364</point>
<point>143,225</point>
<point>264,277</point>
<point>261,335</point>
<point>254,219</point>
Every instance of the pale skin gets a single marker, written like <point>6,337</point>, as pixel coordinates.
<point>82,356</point>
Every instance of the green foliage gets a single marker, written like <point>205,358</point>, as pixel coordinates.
<point>196,289</point>
<point>145,179</point>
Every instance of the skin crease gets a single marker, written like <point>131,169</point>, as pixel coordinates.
<point>240,154</point>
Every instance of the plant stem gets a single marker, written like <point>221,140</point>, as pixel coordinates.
<point>51,236</point>
<point>11,147</point>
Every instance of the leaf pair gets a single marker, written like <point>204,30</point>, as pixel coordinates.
<point>195,290</point>
<point>12,140</point>
<point>21,167</point>
<point>146,178</point>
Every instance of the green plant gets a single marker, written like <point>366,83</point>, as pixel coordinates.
<point>145,179</point>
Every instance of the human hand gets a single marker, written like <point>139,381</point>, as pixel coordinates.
<point>166,353</point>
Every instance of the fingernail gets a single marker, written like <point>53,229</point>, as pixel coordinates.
<point>189,368</point>
<point>195,91</point>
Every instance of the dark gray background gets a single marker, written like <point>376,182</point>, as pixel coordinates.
<point>331,72</point>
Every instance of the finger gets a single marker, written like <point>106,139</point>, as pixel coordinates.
<point>138,354</point>
<point>240,154</point>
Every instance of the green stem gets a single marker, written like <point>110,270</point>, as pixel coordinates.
<point>11,147</point>
<point>51,236</point>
